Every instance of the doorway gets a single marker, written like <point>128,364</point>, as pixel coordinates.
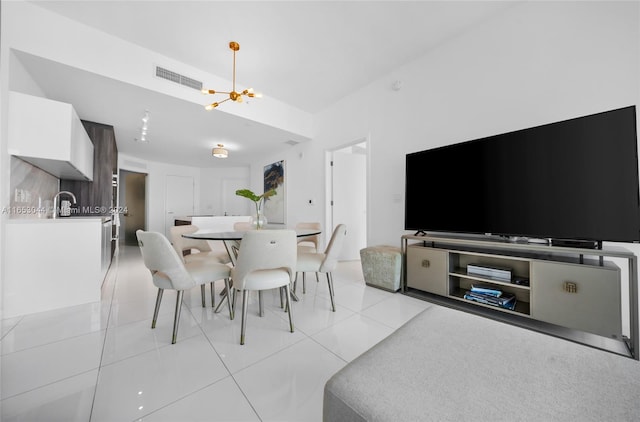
<point>132,200</point>
<point>179,199</point>
<point>348,196</point>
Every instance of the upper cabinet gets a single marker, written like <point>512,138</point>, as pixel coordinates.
<point>49,135</point>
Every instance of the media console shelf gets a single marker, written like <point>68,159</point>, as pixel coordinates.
<point>569,292</point>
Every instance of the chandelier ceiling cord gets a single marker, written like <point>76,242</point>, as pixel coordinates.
<point>233,95</point>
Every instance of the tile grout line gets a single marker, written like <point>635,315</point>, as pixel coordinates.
<point>111,272</point>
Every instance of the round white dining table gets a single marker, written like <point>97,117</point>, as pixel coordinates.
<point>231,240</point>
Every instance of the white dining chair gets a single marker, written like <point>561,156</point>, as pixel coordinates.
<point>309,243</point>
<point>266,260</point>
<point>242,226</point>
<point>202,250</point>
<point>324,262</point>
<point>168,271</point>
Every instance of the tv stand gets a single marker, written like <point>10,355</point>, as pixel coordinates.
<point>565,291</point>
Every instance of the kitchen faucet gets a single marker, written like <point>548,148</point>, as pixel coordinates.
<point>55,201</point>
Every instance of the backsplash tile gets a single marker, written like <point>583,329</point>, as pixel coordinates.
<point>32,190</point>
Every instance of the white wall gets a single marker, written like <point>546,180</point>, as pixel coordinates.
<point>535,63</point>
<point>303,181</point>
<point>212,199</point>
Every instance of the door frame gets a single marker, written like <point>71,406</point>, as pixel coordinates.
<point>329,223</point>
<point>121,182</point>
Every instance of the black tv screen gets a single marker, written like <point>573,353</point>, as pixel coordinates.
<point>576,179</point>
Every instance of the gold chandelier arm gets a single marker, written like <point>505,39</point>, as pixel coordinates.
<point>234,70</point>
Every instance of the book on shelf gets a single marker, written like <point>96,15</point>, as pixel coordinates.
<point>507,300</point>
<point>485,289</point>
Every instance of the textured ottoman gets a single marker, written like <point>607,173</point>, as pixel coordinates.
<point>448,365</point>
<point>381,266</point>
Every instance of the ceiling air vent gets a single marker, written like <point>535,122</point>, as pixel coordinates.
<point>178,78</point>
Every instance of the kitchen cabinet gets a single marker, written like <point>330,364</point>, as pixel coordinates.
<point>49,135</point>
<point>97,197</point>
<point>51,264</point>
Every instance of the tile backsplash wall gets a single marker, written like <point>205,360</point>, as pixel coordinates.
<point>32,190</point>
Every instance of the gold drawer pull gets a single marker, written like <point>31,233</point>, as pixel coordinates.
<point>570,287</point>
<point>426,263</point>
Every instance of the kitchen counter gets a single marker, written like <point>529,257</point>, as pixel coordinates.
<point>222,223</point>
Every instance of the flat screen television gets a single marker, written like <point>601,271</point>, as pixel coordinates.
<point>571,180</point>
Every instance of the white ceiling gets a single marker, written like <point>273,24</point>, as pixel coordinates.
<point>306,54</point>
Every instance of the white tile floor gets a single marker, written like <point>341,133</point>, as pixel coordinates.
<point>102,361</point>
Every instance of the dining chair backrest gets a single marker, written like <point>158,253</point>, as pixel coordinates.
<point>242,226</point>
<point>333,249</point>
<point>159,256</point>
<point>315,239</point>
<point>182,244</point>
<point>264,250</point>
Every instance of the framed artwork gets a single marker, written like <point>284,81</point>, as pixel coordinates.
<point>275,206</point>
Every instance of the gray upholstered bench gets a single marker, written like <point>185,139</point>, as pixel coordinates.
<point>447,365</point>
<point>381,266</point>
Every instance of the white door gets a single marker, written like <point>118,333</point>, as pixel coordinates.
<point>233,204</point>
<point>349,196</point>
<point>178,199</point>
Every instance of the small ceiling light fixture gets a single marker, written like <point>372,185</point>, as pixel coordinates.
<point>145,127</point>
<point>233,95</point>
<point>220,152</point>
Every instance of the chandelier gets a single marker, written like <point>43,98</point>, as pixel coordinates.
<point>233,94</point>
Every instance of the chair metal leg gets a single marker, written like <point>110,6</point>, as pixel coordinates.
<point>202,294</point>
<point>213,296</point>
<point>260,304</point>
<point>295,282</point>
<point>243,325</point>
<point>286,303</point>
<point>234,299</point>
<point>330,282</point>
<point>317,278</point>
<point>228,287</point>
<point>157,310</point>
<point>304,283</point>
<point>281,298</point>
<point>176,319</point>
<point>286,288</point>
